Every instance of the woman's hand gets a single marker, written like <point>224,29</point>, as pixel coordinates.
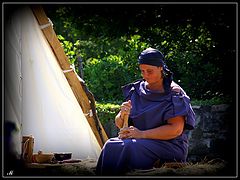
<point>130,132</point>
<point>125,108</point>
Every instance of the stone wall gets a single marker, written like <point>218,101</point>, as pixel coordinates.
<point>213,136</point>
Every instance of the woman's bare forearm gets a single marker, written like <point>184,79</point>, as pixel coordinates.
<point>169,131</point>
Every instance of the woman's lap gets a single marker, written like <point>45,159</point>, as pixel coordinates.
<point>121,155</point>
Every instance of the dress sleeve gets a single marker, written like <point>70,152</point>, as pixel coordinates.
<point>181,107</point>
<point>127,90</point>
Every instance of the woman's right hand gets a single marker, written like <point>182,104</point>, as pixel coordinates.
<point>125,108</point>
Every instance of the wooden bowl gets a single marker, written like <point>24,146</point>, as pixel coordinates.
<point>43,157</point>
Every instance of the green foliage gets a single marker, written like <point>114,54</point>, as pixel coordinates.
<point>69,49</point>
<point>190,54</point>
<point>110,45</point>
<point>102,76</point>
<point>212,101</point>
<point>107,111</point>
<point>106,74</point>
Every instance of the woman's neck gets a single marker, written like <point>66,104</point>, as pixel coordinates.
<point>156,86</point>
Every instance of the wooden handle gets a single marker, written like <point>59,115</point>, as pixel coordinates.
<point>125,121</point>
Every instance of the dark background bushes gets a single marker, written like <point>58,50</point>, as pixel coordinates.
<point>198,41</point>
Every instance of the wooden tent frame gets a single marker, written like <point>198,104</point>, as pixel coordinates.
<point>84,97</point>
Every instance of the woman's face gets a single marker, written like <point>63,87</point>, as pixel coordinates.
<point>150,73</point>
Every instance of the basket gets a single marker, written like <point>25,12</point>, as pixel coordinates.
<point>27,148</point>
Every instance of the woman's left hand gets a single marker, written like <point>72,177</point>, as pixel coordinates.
<point>130,132</point>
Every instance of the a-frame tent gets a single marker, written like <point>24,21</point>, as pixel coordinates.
<point>43,96</point>
<point>83,95</point>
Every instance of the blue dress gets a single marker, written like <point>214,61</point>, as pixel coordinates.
<point>150,109</point>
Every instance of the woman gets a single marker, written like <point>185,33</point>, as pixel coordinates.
<point>159,116</point>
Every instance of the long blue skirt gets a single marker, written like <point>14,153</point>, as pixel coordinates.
<point>121,156</point>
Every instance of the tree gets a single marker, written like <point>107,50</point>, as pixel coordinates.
<point>198,40</point>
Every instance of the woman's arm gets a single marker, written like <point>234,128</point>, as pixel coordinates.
<point>119,121</point>
<point>169,131</point>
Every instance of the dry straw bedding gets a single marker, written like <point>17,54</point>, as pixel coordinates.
<point>87,168</point>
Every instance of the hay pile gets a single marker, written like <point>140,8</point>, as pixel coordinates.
<point>211,168</point>
<point>87,167</point>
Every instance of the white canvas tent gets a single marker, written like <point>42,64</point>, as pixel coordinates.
<point>41,96</point>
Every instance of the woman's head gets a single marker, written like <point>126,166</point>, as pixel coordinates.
<point>152,57</point>
<point>153,67</point>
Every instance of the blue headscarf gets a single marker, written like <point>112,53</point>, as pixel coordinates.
<point>154,57</point>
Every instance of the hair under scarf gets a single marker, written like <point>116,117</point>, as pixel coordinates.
<point>154,57</point>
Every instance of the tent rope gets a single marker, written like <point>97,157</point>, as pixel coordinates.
<point>46,25</point>
<point>72,68</point>
<point>90,114</point>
